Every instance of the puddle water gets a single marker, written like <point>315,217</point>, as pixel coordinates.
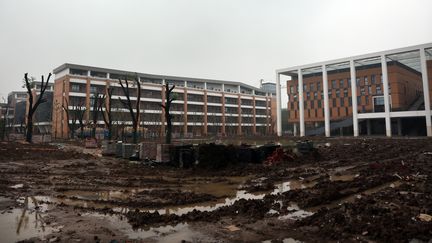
<point>348,177</point>
<point>291,185</point>
<point>167,233</point>
<point>296,214</point>
<point>229,189</point>
<point>20,224</point>
<point>17,186</point>
<point>102,195</point>
<point>344,168</point>
<point>81,198</point>
<point>287,240</point>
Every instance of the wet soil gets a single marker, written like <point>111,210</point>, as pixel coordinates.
<point>371,189</point>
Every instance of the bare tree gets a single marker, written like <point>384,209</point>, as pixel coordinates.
<point>32,108</point>
<point>166,107</point>
<point>128,104</point>
<point>107,115</point>
<point>97,108</point>
<point>80,111</point>
<point>70,116</point>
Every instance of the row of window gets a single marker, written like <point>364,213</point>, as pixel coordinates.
<point>345,93</point>
<point>341,83</point>
<point>342,103</point>
<point>178,83</point>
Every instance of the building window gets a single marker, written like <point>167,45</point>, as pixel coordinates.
<point>362,91</point>
<point>75,88</point>
<point>349,82</point>
<point>311,87</point>
<point>342,103</point>
<point>318,86</point>
<point>366,81</point>
<point>334,102</point>
<point>333,84</point>
<point>358,100</point>
<point>341,83</point>
<point>373,79</point>
<point>367,100</point>
<point>338,93</point>
<point>357,81</point>
<point>378,89</point>
<point>312,104</point>
<point>292,89</point>
<point>345,92</point>
<point>369,89</point>
<point>315,95</point>
<point>350,102</point>
<point>304,87</point>
<point>93,89</point>
<point>319,104</point>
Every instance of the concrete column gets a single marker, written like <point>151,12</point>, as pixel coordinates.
<point>295,129</point>
<point>301,103</point>
<point>254,117</point>
<point>354,98</point>
<point>399,126</point>
<point>223,114</point>
<point>205,113</point>
<point>239,111</point>
<point>368,127</point>
<point>426,95</point>
<point>326,102</point>
<point>386,95</point>
<point>87,104</point>
<point>267,116</point>
<point>278,106</point>
<point>185,111</point>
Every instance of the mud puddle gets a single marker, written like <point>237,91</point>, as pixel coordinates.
<point>346,177</point>
<point>23,223</point>
<point>231,190</point>
<point>292,185</point>
<point>167,233</point>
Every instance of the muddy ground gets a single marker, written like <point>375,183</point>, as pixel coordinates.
<point>367,190</point>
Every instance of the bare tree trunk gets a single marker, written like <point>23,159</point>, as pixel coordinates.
<point>128,104</point>
<point>29,133</point>
<point>168,116</point>
<point>32,108</point>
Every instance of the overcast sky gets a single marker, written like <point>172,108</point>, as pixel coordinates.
<point>242,40</point>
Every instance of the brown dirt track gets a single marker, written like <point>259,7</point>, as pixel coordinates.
<point>370,189</point>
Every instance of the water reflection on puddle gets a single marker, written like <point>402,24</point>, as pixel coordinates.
<point>166,233</point>
<point>24,223</point>
<point>81,198</point>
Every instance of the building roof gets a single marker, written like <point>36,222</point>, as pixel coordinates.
<point>406,56</point>
<point>147,75</point>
